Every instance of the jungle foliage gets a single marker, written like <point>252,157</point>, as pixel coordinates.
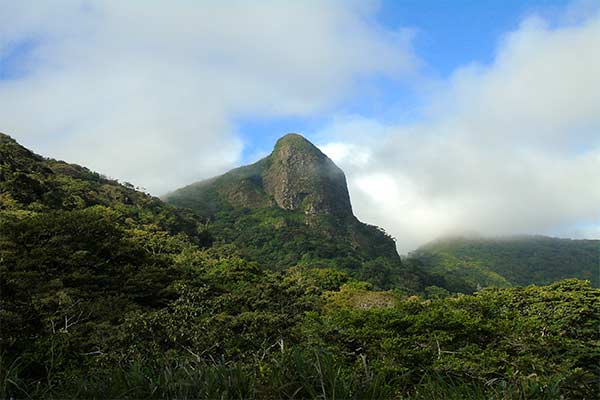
<point>106,292</point>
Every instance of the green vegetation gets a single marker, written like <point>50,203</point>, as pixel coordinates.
<point>293,208</point>
<point>106,292</point>
<point>281,239</point>
<point>467,264</point>
<point>31,184</point>
<point>229,328</point>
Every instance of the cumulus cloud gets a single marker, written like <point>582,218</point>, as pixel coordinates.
<point>149,91</point>
<point>511,147</point>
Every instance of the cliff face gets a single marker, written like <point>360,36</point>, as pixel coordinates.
<point>301,177</point>
<point>296,176</point>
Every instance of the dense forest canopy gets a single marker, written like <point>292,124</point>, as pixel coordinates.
<point>107,292</point>
<point>517,260</point>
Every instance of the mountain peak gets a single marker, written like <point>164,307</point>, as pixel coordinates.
<point>295,140</point>
<point>296,176</point>
<point>301,177</point>
<point>294,195</point>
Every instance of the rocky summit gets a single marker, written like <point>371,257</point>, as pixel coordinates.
<point>295,176</point>
<point>300,176</point>
<point>278,209</point>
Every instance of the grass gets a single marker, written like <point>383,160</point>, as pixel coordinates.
<point>290,375</point>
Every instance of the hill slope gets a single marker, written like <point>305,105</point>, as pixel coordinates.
<point>290,208</point>
<point>74,241</point>
<point>29,182</point>
<point>520,260</point>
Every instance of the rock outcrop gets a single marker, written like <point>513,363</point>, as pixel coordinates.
<point>296,176</point>
<point>301,177</point>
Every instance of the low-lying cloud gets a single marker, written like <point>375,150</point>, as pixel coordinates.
<point>511,147</point>
<point>149,92</point>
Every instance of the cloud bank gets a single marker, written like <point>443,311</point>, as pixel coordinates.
<point>511,147</point>
<point>148,91</point>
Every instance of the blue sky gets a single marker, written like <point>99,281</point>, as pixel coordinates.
<point>446,116</point>
<point>451,33</point>
<point>448,34</point>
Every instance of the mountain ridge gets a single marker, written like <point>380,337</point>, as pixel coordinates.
<point>31,182</point>
<point>109,292</point>
<point>511,260</point>
<point>292,203</point>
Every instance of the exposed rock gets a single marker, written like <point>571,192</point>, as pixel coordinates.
<point>301,177</point>
<point>295,176</point>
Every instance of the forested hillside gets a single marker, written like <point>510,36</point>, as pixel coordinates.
<point>106,292</point>
<point>506,261</point>
<point>293,208</point>
<point>31,184</point>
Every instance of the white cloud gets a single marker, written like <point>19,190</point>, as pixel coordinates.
<point>512,147</point>
<point>148,91</point>
<point>347,153</point>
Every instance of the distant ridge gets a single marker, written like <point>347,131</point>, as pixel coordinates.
<point>511,260</point>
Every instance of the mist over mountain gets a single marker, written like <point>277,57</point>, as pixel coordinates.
<point>479,261</point>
